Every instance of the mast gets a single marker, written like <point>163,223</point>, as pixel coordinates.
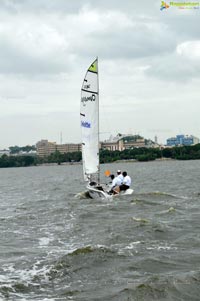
<point>98,118</point>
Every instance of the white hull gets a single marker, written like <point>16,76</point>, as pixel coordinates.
<point>127,192</point>
<point>96,192</point>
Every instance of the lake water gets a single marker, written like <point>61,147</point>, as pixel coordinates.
<point>57,244</point>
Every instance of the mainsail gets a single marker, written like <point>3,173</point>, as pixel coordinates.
<point>89,113</point>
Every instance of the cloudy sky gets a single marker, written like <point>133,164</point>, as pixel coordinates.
<point>149,67</point>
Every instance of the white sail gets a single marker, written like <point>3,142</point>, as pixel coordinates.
<point>89,113</point>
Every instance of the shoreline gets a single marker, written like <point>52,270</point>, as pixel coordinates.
<point>115,162</point>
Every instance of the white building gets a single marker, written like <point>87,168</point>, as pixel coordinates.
<point>4,152</point>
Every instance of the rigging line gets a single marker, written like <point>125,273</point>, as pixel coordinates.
<point>105,120</point>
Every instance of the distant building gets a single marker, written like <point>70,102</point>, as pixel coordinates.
<point>122,142</point>
<point>113,143</point>
<point>45,148</point>
<point>133,141</point>
<point>182,140</point>
<point>4,152</point>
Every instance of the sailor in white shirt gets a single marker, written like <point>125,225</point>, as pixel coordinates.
<point>126,181</point>
<point>116,182</point>
<point>120,177</point>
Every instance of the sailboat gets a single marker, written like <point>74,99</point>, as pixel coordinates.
<point>89,114</point>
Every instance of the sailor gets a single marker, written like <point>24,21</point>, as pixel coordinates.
<point>116,182</point>
<point>126,181</point>
<point>120,177</point>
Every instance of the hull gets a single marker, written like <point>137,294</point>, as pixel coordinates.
<point>127,192</point>
<point>96,192</point>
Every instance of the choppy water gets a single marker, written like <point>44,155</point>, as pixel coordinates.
<point>55,246</point>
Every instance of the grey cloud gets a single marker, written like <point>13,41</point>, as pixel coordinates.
<point>182,26</point>
<point>39,6</point>
<point>173,68</point>
<point>67,6</point>
<point>138,40</point>
<point>12,61</point>
<point>146,36</point>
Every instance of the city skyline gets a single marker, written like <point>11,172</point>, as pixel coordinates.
<point>113,138</point>
<point>149,66</point>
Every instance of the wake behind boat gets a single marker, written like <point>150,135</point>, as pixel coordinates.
<point>89,113</point>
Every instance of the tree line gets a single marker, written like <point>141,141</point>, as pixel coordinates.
<point>106,156</point>
<point>150,154</point>
<point>16,149</point>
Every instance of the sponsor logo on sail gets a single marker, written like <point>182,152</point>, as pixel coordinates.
<point>85,99</point>
<point>86,124</point>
